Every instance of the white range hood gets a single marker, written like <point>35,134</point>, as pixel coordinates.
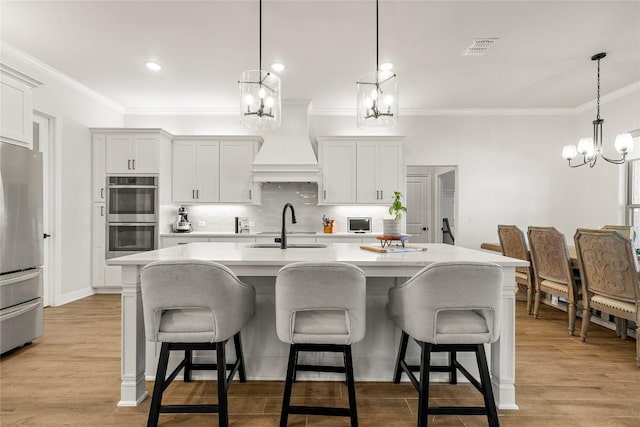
<point>286,154</point>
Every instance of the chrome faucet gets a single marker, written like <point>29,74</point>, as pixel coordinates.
<point>283,232</point>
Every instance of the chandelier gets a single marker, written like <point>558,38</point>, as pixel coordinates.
<point>260,104</point>
<point>377,95</point>
<point>591,148</point>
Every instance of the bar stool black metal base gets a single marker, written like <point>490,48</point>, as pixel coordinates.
<point>422,386</point>
<point>293,367</point>
<point>224,380</point>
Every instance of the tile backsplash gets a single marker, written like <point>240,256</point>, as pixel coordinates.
<point>268,217</point>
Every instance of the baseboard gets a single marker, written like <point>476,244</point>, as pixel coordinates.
<point>108,290</point>
<point>74,296</point>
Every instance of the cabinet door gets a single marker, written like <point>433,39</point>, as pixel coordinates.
<point>16,111</point>
<point>145,154</point>
<point>99,174</point>
<point>338,172</point>
<point>119,154</point>
<point>391,174</point>
<point>98,245</point>
<point>208,167</point>
<point>168,241</point>
<point>184,171</point>
<point>236,177</point>
<point>367,172</point>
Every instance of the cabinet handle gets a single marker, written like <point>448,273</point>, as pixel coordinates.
<point>134,164</point>
<point>377,194</point>
<point>193,194</point>
<point>102,193</point>
<point>249,194</point>
<point>129,164</point>
<point>324,194</point>
<point>381,195</point>
<point>197,194</point>
<point>101,210</point>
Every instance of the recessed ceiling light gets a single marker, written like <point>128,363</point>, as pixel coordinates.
<point>276,66</point>
<point>387,66</point>
<point>153,66</point>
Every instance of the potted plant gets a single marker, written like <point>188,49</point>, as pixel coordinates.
<point>391,227</point>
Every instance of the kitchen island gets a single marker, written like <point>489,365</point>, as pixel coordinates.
<point>266,356</point>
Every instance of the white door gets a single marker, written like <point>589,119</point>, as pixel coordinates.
<point>419,209</point>
<point>42,142</point>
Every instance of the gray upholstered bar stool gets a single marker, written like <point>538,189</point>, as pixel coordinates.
<point>320,307</point>
<point>449,307</point>
<point>194,305</point>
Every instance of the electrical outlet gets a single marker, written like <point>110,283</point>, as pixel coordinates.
<point>202,224</point>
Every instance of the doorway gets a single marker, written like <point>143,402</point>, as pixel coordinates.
<point>43,139</point>
<point>431,197</point>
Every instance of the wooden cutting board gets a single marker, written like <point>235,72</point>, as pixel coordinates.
<point>392,249</point>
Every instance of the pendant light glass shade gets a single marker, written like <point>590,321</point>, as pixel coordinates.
<point>377,100</point>
<point>260,103</point>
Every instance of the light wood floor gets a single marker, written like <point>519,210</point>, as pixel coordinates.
<point>71,377</point>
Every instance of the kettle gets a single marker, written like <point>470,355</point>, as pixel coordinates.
<point>182,224</point>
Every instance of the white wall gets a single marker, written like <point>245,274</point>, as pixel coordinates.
<point>75,113</point>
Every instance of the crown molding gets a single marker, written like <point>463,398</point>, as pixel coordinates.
<point>10,71</point>
<point>151,111</point>
<point>11,50</point>
<point>608,97</point>
<point>454,112</point>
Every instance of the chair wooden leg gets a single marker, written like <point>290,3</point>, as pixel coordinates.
<point>453,373</point>
<point>638,345</point>
<point>223,410</point>
<point>572,318</point>
<point>487,390</point>
<point>188,361</point>
<point>158,387</point>
<point>402,351</point>
<point>530,292</point>
<point>351,386</point>
<point>423,393</point>
<point>237,342</point>
<point>288,384</point>
<point>586,318</point>
<point>536,304</point>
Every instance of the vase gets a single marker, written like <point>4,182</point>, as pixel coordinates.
<point>391,227</point>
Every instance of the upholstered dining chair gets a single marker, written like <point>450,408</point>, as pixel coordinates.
<point>514,245</point>
<point>552,267</point>
<point>609,275</point>
<point>194,305</point>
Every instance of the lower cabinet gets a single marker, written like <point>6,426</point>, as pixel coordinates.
<point>107,278</point>
<point>168,241</point>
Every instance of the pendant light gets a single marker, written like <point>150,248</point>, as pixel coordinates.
<point>591,148</point>
<point>260,104</point>
<point>377,95</point>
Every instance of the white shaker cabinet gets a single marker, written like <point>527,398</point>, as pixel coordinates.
<point>16,106</point>
<point>132,153</point>
<point>99,171</point>
<point>214,169</point>
<point>103,276</point>
<point>360,170</point>
<point>338,162</point>
<point>196,171</point>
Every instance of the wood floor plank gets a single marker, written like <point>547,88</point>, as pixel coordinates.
<point>71,377</point>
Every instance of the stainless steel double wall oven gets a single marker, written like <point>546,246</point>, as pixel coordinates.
<point>132,214</point>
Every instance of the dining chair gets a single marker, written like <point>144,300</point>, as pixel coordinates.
<point>609,275</point>
<point>552,267</point>
<point>514,245</point>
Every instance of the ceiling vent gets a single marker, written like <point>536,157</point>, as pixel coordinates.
<point>478,47</point>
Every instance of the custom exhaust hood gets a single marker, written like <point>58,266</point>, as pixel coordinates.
<point>286,154</point>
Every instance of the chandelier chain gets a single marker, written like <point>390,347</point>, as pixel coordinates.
<point>598,95</point>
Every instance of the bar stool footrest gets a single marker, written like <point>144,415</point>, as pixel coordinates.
<point>457,410</point>
<point>320,368</point>
<point>319,410</point>
<point>189,409</point>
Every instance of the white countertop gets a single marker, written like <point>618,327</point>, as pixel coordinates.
<point>268,234</point>
<point>238,254</point>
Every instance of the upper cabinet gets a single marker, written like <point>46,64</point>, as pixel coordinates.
<point>214,169</point>
<point>132,153</point>
<point>360,170</point>
<point>16,106</point>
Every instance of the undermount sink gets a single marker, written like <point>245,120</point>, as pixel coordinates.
<point>292,245</point>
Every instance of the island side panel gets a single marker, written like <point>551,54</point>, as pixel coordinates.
<point>132,388</point>
<point>503,351</point>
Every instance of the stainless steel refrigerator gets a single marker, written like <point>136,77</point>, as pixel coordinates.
<point>21,246</point>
